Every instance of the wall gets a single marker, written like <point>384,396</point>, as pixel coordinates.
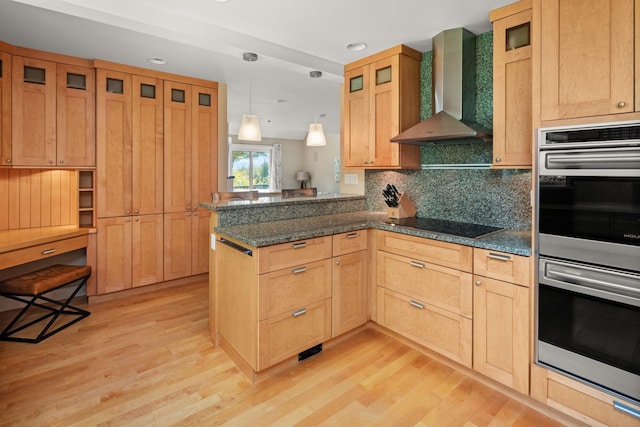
<point>491,197</point>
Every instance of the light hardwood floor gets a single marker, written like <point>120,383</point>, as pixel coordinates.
<point>146,360</point>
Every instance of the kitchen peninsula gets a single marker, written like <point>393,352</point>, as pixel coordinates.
<point>289,275</point>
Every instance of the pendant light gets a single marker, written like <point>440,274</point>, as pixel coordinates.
<point>315,136</point>
<point>249,127</point>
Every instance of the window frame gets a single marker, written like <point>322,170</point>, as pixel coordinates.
<point>251,148</point>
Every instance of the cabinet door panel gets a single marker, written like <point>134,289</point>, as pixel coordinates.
<point>177,245</point>
<point>204,151</point>
<point>147,249</point>
<point>587,58</point>
<point>501,332</point>
<point>33,112</point>
<point>349,292</point>
<point>114,254</point>
<point>177,147</point>
<point>385,109</point>
<point>200,241</point>
<point>113,135</point>
<point>357,118</point>
<point>147,146</point>
<point>76,116</point>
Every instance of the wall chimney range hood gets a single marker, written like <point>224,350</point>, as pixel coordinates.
<point>453,94</point>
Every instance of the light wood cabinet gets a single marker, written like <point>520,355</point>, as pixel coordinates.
<point>512,86</point>
<point>5,109</point>
<point>53,113</point>
<point>587,58</point>
<point>186,244</point>
<point>502,318</point>
<point>424,292</point>
<point>269,315</point>
<point>350,272</point>
<point>381,99</point>
<point>129,252</point>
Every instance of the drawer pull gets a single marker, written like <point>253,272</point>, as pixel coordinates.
<point>626,409</point>
<point>416,304</point>
<point>299,270</point>
<point>352,235</point>
<point>417,264</point>
<point>500,257</point>
<point>299,312</point>
<point>48,251</point>
<point>299,245</point>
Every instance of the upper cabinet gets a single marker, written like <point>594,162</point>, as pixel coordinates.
<point>381,99</point>
<point>53,113</point>
<point>512,86</point>
<point>5,109</point>
<point>587,58</point>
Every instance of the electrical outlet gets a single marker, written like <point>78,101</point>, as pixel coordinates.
<point>350,178</point>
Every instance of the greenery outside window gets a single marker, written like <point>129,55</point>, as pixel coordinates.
<point>251,167</point>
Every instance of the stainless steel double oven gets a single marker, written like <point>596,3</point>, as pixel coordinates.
<point>588,254</point>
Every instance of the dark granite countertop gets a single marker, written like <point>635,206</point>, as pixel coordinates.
<point>278,200</point>
<point>516,242</point>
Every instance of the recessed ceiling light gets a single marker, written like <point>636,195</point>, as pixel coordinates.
<point>357,46</point>
<point>280,101</point>
<point>157,61</point>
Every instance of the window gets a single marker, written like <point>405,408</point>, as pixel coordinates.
<point>251,166</point>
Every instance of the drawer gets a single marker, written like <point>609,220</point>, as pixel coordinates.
<point>291,288</point>
<point>352,241</point>
<point>587,404</point>
<point>277,257</point>
<point>34,253</point>
<point>502,266</point>
<point>442,287</point>
<point>446,254</point>
<point>286,335</point>
<point>440,330</point>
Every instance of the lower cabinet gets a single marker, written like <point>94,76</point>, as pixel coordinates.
<point>425,292</point>
<point>186,244</point>
<point>275,302</point>
<point>130,252</point>
<point>501,319</point>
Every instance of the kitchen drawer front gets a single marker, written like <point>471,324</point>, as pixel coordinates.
<point>291,288</point>
<point>352,241</point>
<point>442,287</point>
<point>440,330</point>
<point>587,404</point>
<point>286,335</point>
<point>284,255</point>
<point>446,254</point>
<point>502,266</point>
<point>34,253</point>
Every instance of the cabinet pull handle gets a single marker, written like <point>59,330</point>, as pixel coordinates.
<point>352,235</point>
<point>500,257</point>
<point>48,251</point>
<point>299,312</point>
<point>417,264</point>
<point>299,245</point>
<point>416,304</point>
<point>299,270</point>
<point>626,409</point>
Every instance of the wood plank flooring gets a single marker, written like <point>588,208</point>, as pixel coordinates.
<point>146,360</point>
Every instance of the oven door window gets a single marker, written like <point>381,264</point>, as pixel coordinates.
<point>596,208</point>
<point>603,330</point>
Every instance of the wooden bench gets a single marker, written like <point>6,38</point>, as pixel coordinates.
<point>31,288</point>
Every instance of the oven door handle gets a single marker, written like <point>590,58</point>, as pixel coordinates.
<point>600,284</point>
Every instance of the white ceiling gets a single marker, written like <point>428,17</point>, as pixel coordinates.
<point>206,39</point>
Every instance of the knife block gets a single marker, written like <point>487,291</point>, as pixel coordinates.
<point>405,208</point>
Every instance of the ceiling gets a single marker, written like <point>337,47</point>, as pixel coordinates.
<point>206,39</point>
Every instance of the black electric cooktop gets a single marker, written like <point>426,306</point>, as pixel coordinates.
<point>453,228</point>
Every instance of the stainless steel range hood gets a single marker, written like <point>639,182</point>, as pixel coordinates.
<point>453,95</point>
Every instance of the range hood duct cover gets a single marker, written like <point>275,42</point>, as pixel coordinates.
<point>453,95</point>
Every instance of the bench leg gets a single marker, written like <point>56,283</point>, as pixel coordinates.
<point>55,312</point>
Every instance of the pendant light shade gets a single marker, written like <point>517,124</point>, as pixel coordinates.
<point>315,136</point>
<point>250,126</point>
